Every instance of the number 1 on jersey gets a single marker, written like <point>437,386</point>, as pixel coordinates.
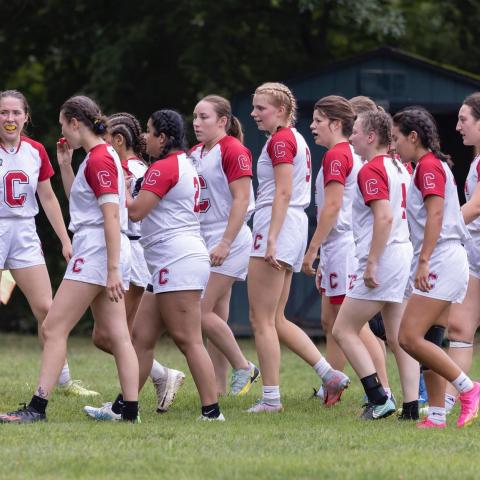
<point>404,201</point>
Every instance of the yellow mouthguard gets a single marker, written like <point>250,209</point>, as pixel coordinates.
<point>10,128</point>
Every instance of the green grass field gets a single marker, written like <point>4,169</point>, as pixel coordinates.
<point>306,441</point>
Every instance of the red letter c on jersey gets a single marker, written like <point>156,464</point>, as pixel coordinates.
<point>335,167</point>
<point>332,283</point>
<point>243,162</point>
<point>10,179</point>
<point>162,276</point>
<point>429,181</point>
<point>256,242</point>
<point>370,187</point>
<point>103,179</point>
<point>279,149</point>
<point>152,178</point>
<point>77,265</point>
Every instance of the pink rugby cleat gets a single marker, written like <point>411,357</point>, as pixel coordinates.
<point>469,406</point>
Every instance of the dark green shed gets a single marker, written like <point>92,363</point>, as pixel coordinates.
<point>393,79</point>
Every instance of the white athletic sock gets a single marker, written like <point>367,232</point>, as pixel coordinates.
<point>388,391</point>
<point>64,377</point>
<point>437,415</point>
<point>158,371</point>
<point>271,394</point>
<point>462,383</point>
<point>449,402</point>
<point>322,367</point>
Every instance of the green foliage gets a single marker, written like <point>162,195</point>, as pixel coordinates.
<point>146,55</point>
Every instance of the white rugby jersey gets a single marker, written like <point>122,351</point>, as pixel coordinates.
<point>380,179</point>
<point>175,180</point>
<point>470,185</point>
<point>134,168</point>
<point>20,172</point>
<point>226,162</point>
<point>285,146</point>
<point>433,177</point>
<point>340,164</point>
<point>99,174</point>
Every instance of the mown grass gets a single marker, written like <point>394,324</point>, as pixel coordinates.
<point>306,441</point>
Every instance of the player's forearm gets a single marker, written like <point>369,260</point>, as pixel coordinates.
<point>236,218</point>
<point>54,215</point>
<point>382,227</point>
<point>326,221</point>
<point>112,236</point>
<point>68,177</point>
<point>280,204</point>
<point>470,211</point>
<point>433,227</point>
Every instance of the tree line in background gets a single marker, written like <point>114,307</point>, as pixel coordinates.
<point>145,55</point>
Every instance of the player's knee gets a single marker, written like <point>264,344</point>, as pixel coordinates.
<point>327,322</point>
<point>40,309</point>
<point>407,341</point>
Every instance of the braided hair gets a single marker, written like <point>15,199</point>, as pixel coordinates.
<point>126,125</point>
<point>85,110</point>
<point>380,122</point>
<point>418,119</point>
<point>281,96</point>
<point>170,123</point>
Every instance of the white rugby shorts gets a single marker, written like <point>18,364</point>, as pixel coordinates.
<point>139,274</point>
<point>89,261</point>
<point>292,238</point>
<point>338,265</point>
<point>392,275</point>
<point>448,273</point>
<point>179,263</point>
<point>236,264</point>
<point>20,246</point>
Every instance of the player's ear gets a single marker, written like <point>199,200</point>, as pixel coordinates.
<point>162,140</point>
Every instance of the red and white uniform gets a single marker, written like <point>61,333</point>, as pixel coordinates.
<point>473,246</point>
<point>99,174</point>
<point>337,254</point>
<point>226,162</point>
<point>381,179</point>
<point>174,249</point>
<point>20,171</point>
<point>139,274</point>
<point>284,146</point>
<point>448,263</point>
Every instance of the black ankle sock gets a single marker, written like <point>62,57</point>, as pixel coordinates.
<point>211,411</point>
<point>117,405</point>
<point>38,404</point>
<point>374,390</point>
<point>410,410</point>
<point>129,411</point>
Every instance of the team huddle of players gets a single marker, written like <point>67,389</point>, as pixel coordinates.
<point>157,247</point>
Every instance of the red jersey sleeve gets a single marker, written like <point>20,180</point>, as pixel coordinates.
<point>430,177</point>
<point>336,167</point>
<point>373,182</point>
<point>161,177</point>
<point>282,147</point>
<point>101,173</point>
<point>236,159</point>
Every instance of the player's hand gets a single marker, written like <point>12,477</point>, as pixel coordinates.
<point>318,279</point>
<point>64,153</point>
<point>219,253</point>
<point>370,275</point>
<point>422,281</point>
<point>67,250</point>
<point>270,255</point>
<point>307,264</point>
<point>114,286</point>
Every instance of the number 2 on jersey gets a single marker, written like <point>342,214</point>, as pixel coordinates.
<point>200,206</point>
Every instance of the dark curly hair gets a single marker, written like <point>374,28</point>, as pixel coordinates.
<point>126,125</point>
<point>418,119</point>
<point>170,123</point>
<point>85,110</point>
